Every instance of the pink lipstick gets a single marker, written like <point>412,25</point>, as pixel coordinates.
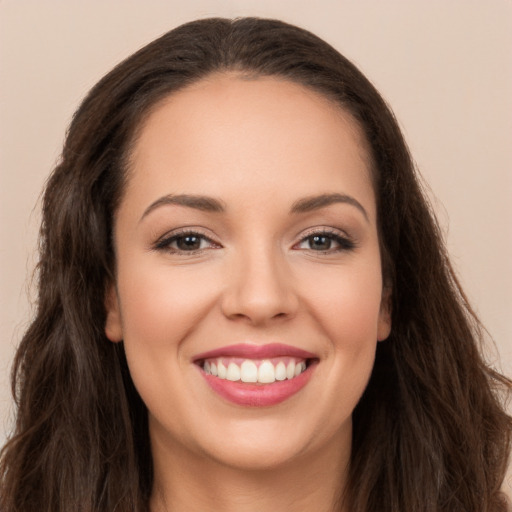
<point>256,375</point>
<point>250,351</point>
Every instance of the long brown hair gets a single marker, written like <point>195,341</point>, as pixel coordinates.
<point>430,432</point>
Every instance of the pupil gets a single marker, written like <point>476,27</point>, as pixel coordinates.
<point>320,242</point>
<point>188,243</point>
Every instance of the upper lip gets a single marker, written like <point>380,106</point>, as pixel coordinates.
<point>252,351</point>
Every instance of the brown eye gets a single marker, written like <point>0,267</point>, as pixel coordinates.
<point>326,242</point>
<point>188,243</point>
<point>319,242</point>
<point>185,242</point>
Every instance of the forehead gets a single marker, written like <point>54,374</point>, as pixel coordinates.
<point>227,131</point>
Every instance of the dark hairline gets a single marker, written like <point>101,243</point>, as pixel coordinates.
<point>237,72</point>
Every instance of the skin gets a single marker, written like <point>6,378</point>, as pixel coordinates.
<point>257,147</point>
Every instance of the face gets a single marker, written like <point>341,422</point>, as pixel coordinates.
<point>249,289</point>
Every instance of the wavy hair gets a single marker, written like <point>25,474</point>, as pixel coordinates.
<point>430,433</point>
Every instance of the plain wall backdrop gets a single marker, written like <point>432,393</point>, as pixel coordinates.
<point>445,66</point>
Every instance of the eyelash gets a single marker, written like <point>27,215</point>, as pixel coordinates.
<point>343,241</point>
<point>164,244</point>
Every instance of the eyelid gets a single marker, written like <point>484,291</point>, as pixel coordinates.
<point>344,240</point>
<point>163,243</point>
<point>324,230</point>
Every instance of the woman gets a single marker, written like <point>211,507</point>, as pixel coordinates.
<point>244,299</point>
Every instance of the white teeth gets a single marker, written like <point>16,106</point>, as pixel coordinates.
<point>299,368</point>
<point>280,371</point>
<point>233,372</point>
<point>248,372</point>
<point>264,372</point>
<point>290,370</point>
<point>221,370</point>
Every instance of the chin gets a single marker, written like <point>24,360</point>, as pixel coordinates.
<point>263,445</point>
<point>259,456</point>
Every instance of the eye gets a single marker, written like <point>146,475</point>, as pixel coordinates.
<point>184,242</point>
<point>326,242</point>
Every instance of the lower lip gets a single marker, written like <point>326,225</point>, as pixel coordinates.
<point>258,395</point>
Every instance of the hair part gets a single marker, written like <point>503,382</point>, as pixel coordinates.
<point>430,432</point>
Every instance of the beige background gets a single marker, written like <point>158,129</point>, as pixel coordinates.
<point>444,65</point>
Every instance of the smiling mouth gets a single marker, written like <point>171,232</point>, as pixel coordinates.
<point>253,375</point>
<point>259,371</point>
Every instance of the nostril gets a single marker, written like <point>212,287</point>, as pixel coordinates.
<point>260,292</point>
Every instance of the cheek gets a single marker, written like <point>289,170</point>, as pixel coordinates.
<point>161,308</point>
<point>160,305</point>
<point>352,324</point>
<point>346,303</point>
<point>346,306</point>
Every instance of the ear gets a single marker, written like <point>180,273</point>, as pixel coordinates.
<point>113,324</point>
<point>384,325</point>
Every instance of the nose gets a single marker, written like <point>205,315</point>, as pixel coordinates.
<point>260,289</point>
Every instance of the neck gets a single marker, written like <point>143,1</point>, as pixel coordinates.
<point>192,483</point>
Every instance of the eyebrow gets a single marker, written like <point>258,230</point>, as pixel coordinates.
<point>203,203</point>
<point>312,203</point>
<point>210,204</point>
